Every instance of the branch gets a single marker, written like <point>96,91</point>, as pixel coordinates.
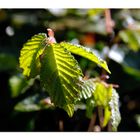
<point>109,22</point>
<point>92,122</point>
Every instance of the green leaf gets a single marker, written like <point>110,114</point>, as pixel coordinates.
<point>32,103</point>
<point>102,97</point>
<point>107,97</point>
<point>107,115</point>
<point>86,53</point>
<point>29,55</point>
<point>88,88</point>
<point>70,109</point>
<point>61,76</point>
<point>131,37</point>
<point>90,105</point>
<point>102,94</point>
<point>115,113</point>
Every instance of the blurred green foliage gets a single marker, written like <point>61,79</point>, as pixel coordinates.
<point>87,27</point>
<point>7,62</point>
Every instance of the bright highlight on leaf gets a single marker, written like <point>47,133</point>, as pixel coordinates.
<point>86,53</point>
<point>29,55</point>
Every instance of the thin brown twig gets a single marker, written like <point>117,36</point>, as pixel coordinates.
<point>92,122</point>
<point>101,116</point>
<point>109,127</point>
<point>61,125</point>
<point>109,29</point>
<point>109,22</point>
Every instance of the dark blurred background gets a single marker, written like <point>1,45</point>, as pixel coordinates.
<point>121,50</point>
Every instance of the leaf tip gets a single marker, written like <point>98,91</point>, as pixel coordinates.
<point>108,71</point>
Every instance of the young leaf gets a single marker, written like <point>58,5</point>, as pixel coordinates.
<point>107,115</point>
<point>61,76</point>
<point>90,105</point>
<point>29,56</point>
<point>102,97</point>
<point>115,113</point>
<point>88,88</point>
<point>105,96</point>
<point>102,94</point>
<point>85,52</point>
<point>109,99</point>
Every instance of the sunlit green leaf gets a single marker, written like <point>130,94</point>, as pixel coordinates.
<point>102,94</point>
<point>29,55</point>
<point>106,97</point>
<point>107,115</point>
<point>90,105</point>
<point>85,52</point>
<point>69,108</point>
<point>61,76</point>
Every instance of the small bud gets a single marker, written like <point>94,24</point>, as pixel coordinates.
<point>50,33</point>
<point>104,77</point>
<point>47,101</point>
<point>115,85</point>
<point>51,38</point>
